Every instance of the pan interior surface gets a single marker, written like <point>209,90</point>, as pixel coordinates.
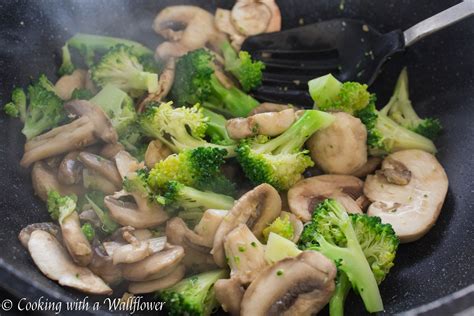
<point>441,85</point>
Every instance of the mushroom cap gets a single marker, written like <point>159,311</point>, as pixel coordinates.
<point>102,265</point>
<point>340,148</point>
<point>70,169</point>
<point>301,285</point>
<point>76,243</point>
<point>25,233</point>
<point>126,163</point>
<point>53,260</point>
<point>134,252</point>
<point>256,208</point>
<point>208,225</point>
<point>305,194</point>
<point>250,17</point>
<point>411,209</point>
<point>102,166</point>
<point>159,284</point>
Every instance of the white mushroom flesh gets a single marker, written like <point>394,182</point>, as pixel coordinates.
<point>66,85</point>
<point>159,284</point>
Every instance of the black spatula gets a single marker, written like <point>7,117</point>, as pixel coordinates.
<point>349,49</point>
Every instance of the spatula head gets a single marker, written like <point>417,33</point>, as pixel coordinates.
<point>349,49</point>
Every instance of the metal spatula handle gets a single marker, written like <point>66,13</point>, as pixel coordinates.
<point>439,21</point>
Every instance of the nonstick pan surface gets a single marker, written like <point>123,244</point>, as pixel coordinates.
<point>441,71</point>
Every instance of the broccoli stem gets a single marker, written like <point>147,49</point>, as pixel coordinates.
<point>293,138</point>
<point>336,304</point>
<point>207,199</point>
<point>216,127</point>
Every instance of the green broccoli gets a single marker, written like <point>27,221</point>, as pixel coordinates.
<point>198,168</point>
<point>120,67</point>
<point>44,110</point>
<point>59,206</point>
<point>194,295</point>
<point>179,128</point>
<point>137,182</point>
<point>95,200</point>
<point>195,82</point>
<point>280,226</point>
<point>281,160</point>
<point>362,247</point>
<point>400,109</point>
<point>17,107</point>
<point>90,46</point>
<point>81,94</point>
<point>88,231</point>
<point>179,196</point>
<point>216,128</point>
<point>383,134</point>
<point>248,72</point>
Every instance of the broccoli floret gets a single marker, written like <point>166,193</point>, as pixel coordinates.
<point>17,107</point>
<point>248,72</point>
<point>45,108</point>
<point>362,247</point>
<point>81,94</point>
<point>216,128</point>
<point>195,82</point>
<point>121,68</point>
<point>179,196</point>
<point>179,128</point>
<point>95,200</point>
<point>134,141</point>
<point>281,160</point>
<point>89,46</point>
<point>400,109</point>
<point>280,226</point>
<point>88,231</point>
<point>194,295</point>
<point>59,206</point>
<point>198,168</point>
<point>384,135</point>
<point>137,182</point>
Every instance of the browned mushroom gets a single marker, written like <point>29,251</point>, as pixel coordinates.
<point>25,233</point>
<point>250,17</point>
<point>70,169</point>
<point>91,125</point>
<point>229,293</point>
<point>94,181</point>
<point>307,193</point>
<point>159,284</point>
<point>369,167</point>
<point>156,152</point>
<point>208,225</point>
<point>102,166</point>
<point>224,24</point>
<point>66,85</point>
<point>266,107</point>
<point>76,243</point>
<point>126,163</point>
<point>256,208</point>
<point>301,285</point>
<point>110,150</point>
<point>102,265</point>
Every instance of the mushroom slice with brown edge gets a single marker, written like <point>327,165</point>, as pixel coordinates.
<point>207,226</point>
<point>70,169</point>
<point>44,180</point>
<point>302,285</point>
<point>340,148</point>
<point>138,250</point>
<point>250,17</point>
<point>102,265</point>
<point>155,266</point>
<point>156,152</point>
<point>53,260</point>
<point>126,163</point>
<point>229,293</point>
<point>411,208</point>
<point>25,233</point>
<point>257,208</point>
<point>102,166</point>
<point>159,284</point>
<point>245,254</point>
<point>74,239</point>
<point>91,125</point>
<point>268,124</point>
<point>198,30</point>
<point>197,257</point>
<point>141,214</point>
<point>110,150</point>
<point>224,24</point>
<point>307,193</point>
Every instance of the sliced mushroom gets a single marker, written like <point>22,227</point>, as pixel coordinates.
<point>126,163</point>
<point>52,259</point>
<point>154,267</point>
<point>141,214</point>
<point>275,22</point>
<point>92,124</point>
<point>156,152</point>
<point>266,107</point>
<point>25,233</point>
<point>110,150</point>
<point>250,17</point>
<point>70,169</point>
<point>159,284</point>
<point>369,167</point>
<point>245,254</point>
<point>198,30</point>
<point>307,193</point>
<point>102,265</point>
<point>66,85</point>
<point>269,124</point>
<point>45,180</point>
<point>256,208</point>
<point>94,181</point>
<point>76,243</point>
<point>136,251</point>
<point>197,257</point>
<point>302,285</point>
<point>348,203</point>
<point>207,226</point>
<point>229,293</point>
<point>224,24</point>
<point>101,166</point>
<point>340,148</point>
<point>411,208</point>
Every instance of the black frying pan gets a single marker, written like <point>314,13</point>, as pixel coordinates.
<point>441,82</point>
